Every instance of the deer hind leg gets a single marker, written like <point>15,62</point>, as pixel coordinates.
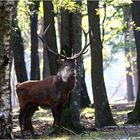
<point>21,120</point>
<point>27,120</point>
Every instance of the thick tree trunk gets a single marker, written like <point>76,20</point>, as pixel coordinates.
<point>134,116</point>
<point>6,8</point>
<point>35,71</point>
<point>71,40</point>
<point>128,43</point>
<point>76,93</point>
<point>18,49</point>
<point>103,115</point>
<point>80,91</point>
<point>50,38</point>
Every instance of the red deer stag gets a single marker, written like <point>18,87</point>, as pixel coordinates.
<point>51,92</point>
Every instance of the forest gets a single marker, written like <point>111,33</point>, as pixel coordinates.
<point>69,69</point>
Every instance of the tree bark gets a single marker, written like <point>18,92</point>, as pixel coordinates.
<point>134,116</point>
<point>50,38</point>
<point>6,8</point>
<point>128,56</point>
<point>103,115</point>
<point>18,49</point>
<point>35,71</point>
<point>71,40</point>
<point>66,31</point>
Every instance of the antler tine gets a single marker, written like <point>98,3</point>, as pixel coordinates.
<point>85,46</point>
<point>46,46</point>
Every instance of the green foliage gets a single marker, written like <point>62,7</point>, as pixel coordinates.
<point>111,21</point>
<point>24,21</point>
<point>113,26</point>
<point>23,15</point>
<point>69,5</point>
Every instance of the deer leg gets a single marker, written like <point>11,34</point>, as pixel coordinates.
<point>27,120</point>
<point>56,111</point>
<point>21,120</point>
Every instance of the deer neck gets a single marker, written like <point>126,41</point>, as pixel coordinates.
<point>65,77</point>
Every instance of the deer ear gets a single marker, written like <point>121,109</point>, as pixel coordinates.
<point>60,61</point>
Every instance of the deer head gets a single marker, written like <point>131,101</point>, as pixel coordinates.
<point>67,64</point>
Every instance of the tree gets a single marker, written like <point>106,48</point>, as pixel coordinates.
<point>134,116</point>
<point>103,115</point>
<point>6,8</point>
<point>51,39</point>
<point>71,43</point>
<point>18,49</point>
<point>35,72</point>
<point>128,52</point>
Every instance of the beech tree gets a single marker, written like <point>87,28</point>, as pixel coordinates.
<point>134,116</point>
<point>103,115</point>
<point>128,51</point>
<point>50,62</point>
<point>18,48</point>
<point>35,71</point>
<point>71,43</point>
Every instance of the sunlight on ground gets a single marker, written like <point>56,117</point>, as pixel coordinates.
<point>42,122</point>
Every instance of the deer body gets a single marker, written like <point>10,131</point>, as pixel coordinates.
<point>52,92</point>
<point>45,90</point>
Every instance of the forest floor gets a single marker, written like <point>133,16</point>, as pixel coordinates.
<point>42,122</point>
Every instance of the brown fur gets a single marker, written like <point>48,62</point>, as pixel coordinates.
<point>52,92</point>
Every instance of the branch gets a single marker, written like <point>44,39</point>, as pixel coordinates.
<point>103,29</point>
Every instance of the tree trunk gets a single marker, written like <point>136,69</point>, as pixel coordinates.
<point>130,93</point>
<point>76,93</point>
<point>128,56</point>
<point>66,31</point>
<point>134,116</point>
<point>103,115</point>
<point>50,38</point>
<point>71,40</point>
<point>35,71</point>
<point>134,72</point>
<point>18,49</point>
<point>80,91</point>
<point>6,8</point>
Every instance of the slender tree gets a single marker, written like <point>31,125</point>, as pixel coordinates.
<point>103,115</point>
<point>6,8</point>
<point>128,56</point>
<point>35,71</point>
<point>134,116</point>
<point>51,39</point>
<point>18,49</point>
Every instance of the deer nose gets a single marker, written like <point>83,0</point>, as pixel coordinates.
<point>73,72</point>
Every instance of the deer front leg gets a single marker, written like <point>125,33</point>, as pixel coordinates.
<point>56,111</point>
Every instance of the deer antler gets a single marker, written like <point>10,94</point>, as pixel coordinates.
<point>46,46</point>
<point>83,51</point>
